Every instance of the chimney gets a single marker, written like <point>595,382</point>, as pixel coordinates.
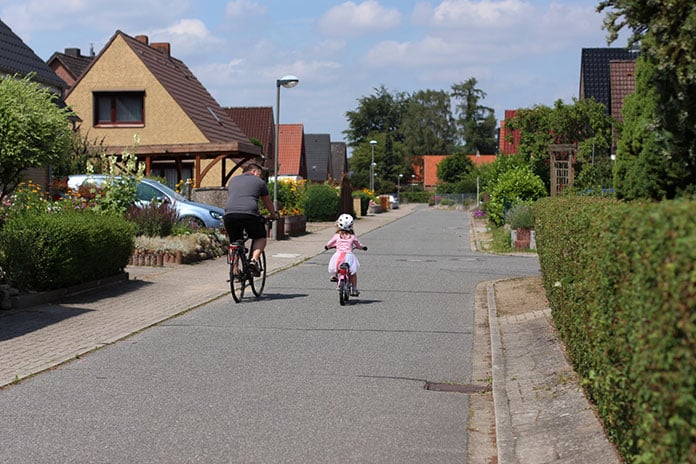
<point>163,47</point>
<point>142,39</point>
<point>73,52</point>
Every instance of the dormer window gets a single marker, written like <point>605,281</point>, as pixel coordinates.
<point>119,108</point>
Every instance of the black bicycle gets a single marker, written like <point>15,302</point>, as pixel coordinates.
<point>241,273</point>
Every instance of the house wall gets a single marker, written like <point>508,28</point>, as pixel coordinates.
<point>119,68</point>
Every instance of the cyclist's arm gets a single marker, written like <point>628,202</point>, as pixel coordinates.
<point>269,206</point>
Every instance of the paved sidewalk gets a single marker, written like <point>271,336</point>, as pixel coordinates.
<point>541,413</point>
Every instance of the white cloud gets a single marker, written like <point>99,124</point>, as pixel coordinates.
<point>351,19</point>
<point>189,37</point>
<point>243,9</point>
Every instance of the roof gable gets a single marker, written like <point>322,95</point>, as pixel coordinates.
<point>17,58</point>
<point>595,73</point>
<point>186,90</point>
<point>622,83</point>
<point>256,122</point>
<point>317,155</point>
<point>72,61</point>
<point>291,161</point>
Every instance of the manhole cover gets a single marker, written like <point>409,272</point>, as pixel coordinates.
<point>457,387</point>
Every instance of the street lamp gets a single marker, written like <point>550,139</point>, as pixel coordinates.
<point>288,82</point>
<point>372,167</point>
<point>398,185</point>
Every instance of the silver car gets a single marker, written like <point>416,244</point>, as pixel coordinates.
<point>202,214</point>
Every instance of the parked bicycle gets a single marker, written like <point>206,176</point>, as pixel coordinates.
<point>242,275</point>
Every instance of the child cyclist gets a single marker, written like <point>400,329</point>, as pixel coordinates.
<point>344,240</point>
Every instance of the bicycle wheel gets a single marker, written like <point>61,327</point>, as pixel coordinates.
<point>237,279</point>
<point>343,292</point>
<point>258,282</point>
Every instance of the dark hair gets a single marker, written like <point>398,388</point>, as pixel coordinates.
<point>253,167</point>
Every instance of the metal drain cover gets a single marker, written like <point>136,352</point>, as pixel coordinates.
<point>457,387</point>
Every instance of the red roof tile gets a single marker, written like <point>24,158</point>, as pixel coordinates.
<point>291,151</point>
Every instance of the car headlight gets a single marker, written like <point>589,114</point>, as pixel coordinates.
<point>217,216</point>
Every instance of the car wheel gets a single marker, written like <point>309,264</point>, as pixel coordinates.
<point>192,222</point>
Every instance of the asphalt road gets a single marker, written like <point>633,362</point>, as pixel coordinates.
<point>293,377</point>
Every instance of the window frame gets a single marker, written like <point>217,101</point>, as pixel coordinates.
<point>114,95</point>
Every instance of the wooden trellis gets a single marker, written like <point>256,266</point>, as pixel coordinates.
<point>562,157</point>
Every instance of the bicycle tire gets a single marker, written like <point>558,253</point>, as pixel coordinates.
<point>258,283</point>
<point>238,279</point>
<point>343,293</point>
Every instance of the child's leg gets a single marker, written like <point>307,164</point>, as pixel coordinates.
<point>354,280</point>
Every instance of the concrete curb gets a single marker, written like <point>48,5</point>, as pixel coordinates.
<point>505,440</point>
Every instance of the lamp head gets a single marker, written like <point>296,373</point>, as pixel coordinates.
<point>373,142</point>
<point>288,81</point>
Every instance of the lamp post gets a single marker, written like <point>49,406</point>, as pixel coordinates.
<point>372,167</point>
<point>398,185</point>
<point>287,82</point>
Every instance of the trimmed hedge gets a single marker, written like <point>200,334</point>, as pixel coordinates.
<point>621,281</point>
<point>44,251</point>
<point>321,203</point>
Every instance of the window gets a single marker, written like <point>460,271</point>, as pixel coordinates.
<point>119,108</point>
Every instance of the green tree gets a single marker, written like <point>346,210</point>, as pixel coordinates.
<point>378,113</point>
<point>454,168</point>
<point>665,32</point>
<point>428,125</point>
<point>584,123</point>
<point>476,123</point>
<point>642,168</point>
<point>34,131</point>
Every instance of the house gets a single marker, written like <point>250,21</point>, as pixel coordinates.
<point>509,141</point>
<point>134,89</point>
<point>480,160</point>
<point>17,59</point>
<point>291,153</point>
<point>339,161</point>
<point>605,69</point>
<point>318,156</point>
<point>70,65</point>
<point>257,123</point>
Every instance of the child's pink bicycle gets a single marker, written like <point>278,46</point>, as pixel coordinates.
<point>344,286</point>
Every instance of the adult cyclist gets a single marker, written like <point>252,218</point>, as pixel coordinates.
<point>242,210</point>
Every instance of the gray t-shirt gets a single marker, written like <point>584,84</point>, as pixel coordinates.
<point>243,194</point>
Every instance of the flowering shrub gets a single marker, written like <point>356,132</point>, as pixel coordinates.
<point>291,195</point>
<point>479,213</point>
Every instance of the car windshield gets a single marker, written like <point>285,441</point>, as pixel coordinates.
<point>170,192</point>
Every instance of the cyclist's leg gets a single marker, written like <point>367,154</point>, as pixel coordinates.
<point>256,229</point>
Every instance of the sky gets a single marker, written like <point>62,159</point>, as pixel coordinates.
<point>521,52</point>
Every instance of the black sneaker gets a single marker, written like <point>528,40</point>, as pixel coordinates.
<point>333,278</point>
<point>255,268</point>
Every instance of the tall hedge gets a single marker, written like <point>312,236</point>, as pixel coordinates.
<point>621,281</point>
<point>44,251</point>
<point>321,203</point>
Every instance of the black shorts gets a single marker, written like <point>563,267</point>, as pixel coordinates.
<point>237,223</point>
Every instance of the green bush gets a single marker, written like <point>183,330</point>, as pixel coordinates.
<point>321,202</point>
<point>43,251</point>
<point>416,197</point>
<point>153,220</point>
<point>621,281</point>
<point>521,217</point>
<point>515,186</point>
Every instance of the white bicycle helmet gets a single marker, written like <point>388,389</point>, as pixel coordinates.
<point>345,222</point>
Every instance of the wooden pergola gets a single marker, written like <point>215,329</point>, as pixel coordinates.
<point>237,153</point>
<point>561,159</point>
